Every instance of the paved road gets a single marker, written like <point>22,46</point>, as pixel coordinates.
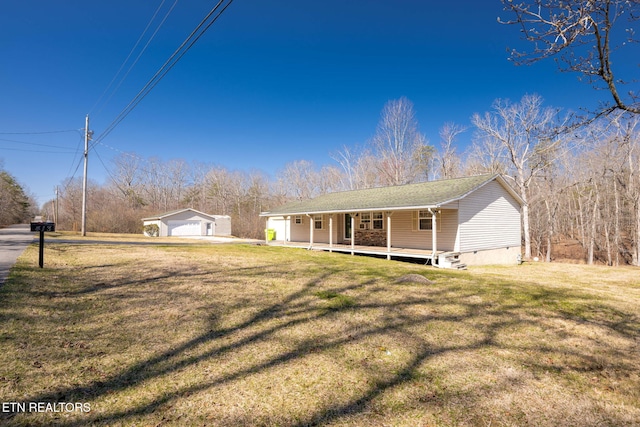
<point>13,241</point>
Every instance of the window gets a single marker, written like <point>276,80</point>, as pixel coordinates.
<point>317,222</point>
<point>422,221</point>
<point>378,221</point>
<point>372,220</point>
<point>297,219</point>
<point>365,220</point>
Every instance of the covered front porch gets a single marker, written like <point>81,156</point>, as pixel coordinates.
<point>391,234</point>
<point>389,253</point>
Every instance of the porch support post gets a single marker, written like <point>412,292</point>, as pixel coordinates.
<point>389,213</point>
<point>434,235</point>
<point>353,233</point>
<point>287,224</point>
<point>310,230</point>
<point>330,232</point>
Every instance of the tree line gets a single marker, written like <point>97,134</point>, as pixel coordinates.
<point>16,206</point>
<point>579,182</point>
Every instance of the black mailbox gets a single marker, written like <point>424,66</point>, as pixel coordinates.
<point>43,226</point>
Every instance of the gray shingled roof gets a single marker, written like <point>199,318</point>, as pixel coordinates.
<point>177,211</point>
<point>410,196</point>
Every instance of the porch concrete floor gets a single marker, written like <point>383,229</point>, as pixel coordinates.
<point>426,254</point>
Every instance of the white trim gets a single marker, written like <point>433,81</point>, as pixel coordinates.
<point>395,209</point>
<point>434,234</point>
<point>388,216</point>
<point>353,231</point>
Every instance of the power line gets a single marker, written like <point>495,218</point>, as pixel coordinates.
<point>195,35</point>
<point>115,181</point>
<point>115,90</point>
<point>69,151</point>
<point>72,163</point>
<point>38,133</point>
<point>34,143</point>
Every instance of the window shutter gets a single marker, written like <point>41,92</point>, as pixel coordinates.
<point>414,220</point>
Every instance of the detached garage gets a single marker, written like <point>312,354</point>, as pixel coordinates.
<point>189,222</point>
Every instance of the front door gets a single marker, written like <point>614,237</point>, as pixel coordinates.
<point>347,226</point>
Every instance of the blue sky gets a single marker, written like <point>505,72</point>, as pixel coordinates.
<point>270,82</point>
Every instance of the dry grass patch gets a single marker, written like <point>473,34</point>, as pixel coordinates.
<point>245,335</point>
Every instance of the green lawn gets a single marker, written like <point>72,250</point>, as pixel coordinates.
<point>229,335</point>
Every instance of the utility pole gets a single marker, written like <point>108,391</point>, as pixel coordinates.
<point>56,207</point>
<point>83,230</point>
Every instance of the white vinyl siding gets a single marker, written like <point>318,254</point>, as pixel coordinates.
<point>300,232</point>
<point>489,219</point>
<point>404,232</point>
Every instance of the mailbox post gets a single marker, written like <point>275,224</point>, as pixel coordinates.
<point>42,227</point>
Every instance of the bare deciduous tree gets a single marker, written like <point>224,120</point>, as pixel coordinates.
<point>448,160</point>
<point>348,159</point>
<point>584,36</point>
<point>126,177</point>
<point>521,132</point>
<point>299,180</point>
<point>396,143</point>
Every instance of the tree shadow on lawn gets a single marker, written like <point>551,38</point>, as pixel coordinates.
<point>299,308</point>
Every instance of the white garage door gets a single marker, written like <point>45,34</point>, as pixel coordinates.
<point>184,228</point>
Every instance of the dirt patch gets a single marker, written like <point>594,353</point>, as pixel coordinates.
<point>414,278</point>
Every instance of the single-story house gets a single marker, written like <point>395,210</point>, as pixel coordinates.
<point>190,222</point>
<point>449,223</point>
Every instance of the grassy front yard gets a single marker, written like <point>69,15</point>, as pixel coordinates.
<point>234,335</point>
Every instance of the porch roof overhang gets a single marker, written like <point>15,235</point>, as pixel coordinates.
<point>350,210</point>
<point>425,195</point>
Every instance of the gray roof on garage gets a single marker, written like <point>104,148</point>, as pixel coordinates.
<point>177,211</point>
